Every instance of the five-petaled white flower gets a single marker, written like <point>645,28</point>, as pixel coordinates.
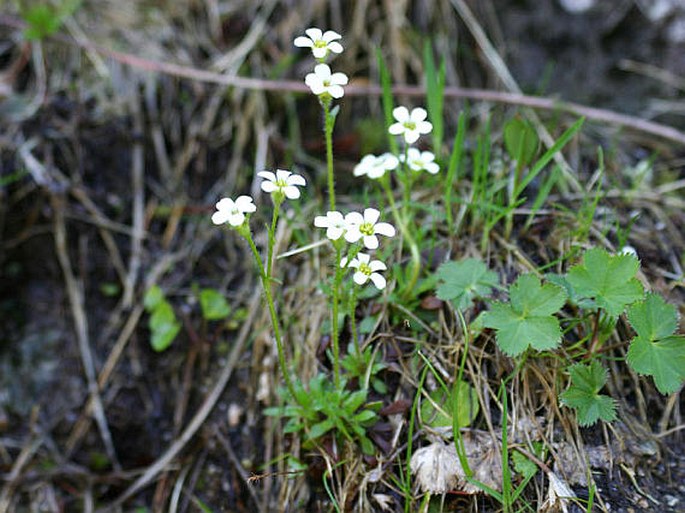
<point>411,125</point>
<point>320,42</point>
<point>334,222</point>
<point>233,212</point>
<point>421,161</point>
<point>283,183</point>
<point>366,227</point>
<point>375,167</point>
<point>366,269</point>
<point>322,81</point>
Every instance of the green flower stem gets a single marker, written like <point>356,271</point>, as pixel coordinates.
<point>337,281</point>
<point>353,321</point>
<point>272,237</point>
<point>408,238</point>
<point>244,230</point>
<point>329,121</point>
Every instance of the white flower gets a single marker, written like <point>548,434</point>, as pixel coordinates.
<point>320,42</point>
<point>233,212</point>
<point>283,182</point>
<point>411,125</point>
<point>334,222</point>
<point>628,250</point>
<point>421,161</point>
<point>366,269</point>
<point>375,167</point>
<point>323,82</point>
<point>366,227</point>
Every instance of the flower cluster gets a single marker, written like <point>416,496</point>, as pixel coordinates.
<point>322,81</point>
<point>355,227</point>
<point>411,125</point>
<point>282,184</point>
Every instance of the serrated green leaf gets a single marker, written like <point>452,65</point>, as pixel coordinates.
<point>663,359</point>
<point>653,318</point>
<point>463,281</point>
<point>527,320</point>
<point>530,298</point>
<point>583,394</point>
<point>523,465</point>
<point>214,305</point>
<point>608,279</point>
<point>656,351</point>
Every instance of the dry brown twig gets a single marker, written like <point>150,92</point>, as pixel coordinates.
<point>600,115</point>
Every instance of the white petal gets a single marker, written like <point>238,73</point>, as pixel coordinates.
<point>384,229</point>
<point>335,47</point>
<point>268,175</point>
<point>378,281</point>
<point>376,172</point>
<point>236,219</point>
<point>354,218</point>
<point>389,161</point>
<point>319,52</point>
<point>413,154</point>
<point>317,87</point>
<point>334,232</point>
<point>269,187</point>
<point>377,265</point>
<point>418,114</point>
<point>360,278</point>
<point>353,234</point>
<point>370,242</point>
<point>296,180</point>
<point>314,33</point>
<point>339,79</point>
<point>411,136</point>
<point>322,71</point>
<point>433,168</point>
<point>220,217</point>
<point>363,258</point>
<point>371,215</point>
<point>343,262</point>
<point>282,175</point>
<point>321,222</point>
<point>401,114</point>
<point>396,129</point>
<point>336,91</point>
<point>303,42</point>
<point>424,127</point>
<point>291,192</point>
<point>330,35</point>
<point>245,204</point>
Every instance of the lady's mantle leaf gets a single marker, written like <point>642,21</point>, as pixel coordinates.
<point>656,351</point>
<point>462,281</point>
<point>608,279</point>
<point>584,396</point>
<point>527,320</point>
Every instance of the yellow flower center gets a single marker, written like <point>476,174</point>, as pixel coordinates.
<point>410,125</point>
<point>366,229</point>
<point>365,269</point>
<point>320,43</point>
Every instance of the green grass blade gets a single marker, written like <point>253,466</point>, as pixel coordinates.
<point>435,95</point>
<point>548,155</point>
<point>454,167</point>
<point>386,85</point>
